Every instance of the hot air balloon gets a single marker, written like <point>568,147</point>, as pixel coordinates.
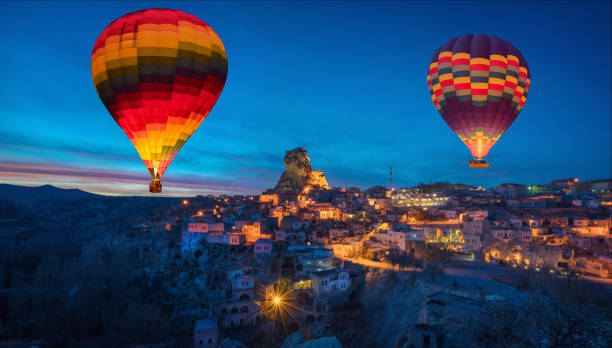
<point>159,72</point>
<point>479,85</point>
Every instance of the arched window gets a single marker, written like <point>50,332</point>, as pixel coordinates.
<point>245,297</point>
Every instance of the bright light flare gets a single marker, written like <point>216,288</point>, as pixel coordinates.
<point>278,303</point>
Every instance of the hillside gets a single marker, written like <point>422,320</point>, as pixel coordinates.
<point>26,194</point>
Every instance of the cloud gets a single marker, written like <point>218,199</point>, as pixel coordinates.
<point>113,181</point>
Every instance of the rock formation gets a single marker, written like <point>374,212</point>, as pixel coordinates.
<point>298,176</point>
<point>229,343</point>
<point>296,340</point>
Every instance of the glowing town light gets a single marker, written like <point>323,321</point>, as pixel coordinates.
<point>277,303</point>
<point>185,202</point>
<point>200,213</point>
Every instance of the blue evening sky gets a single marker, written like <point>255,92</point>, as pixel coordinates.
<point>346,80</point>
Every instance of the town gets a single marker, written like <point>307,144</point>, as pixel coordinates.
<point>318,240</point>
<point>305,265</point>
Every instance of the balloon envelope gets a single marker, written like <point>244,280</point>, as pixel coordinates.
<point>479,85</point>
<point>159,72</point>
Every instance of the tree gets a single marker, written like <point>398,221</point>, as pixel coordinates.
<point>433,270</point>
<point>435,253</point>
<point>406,260</point>
<point>417,263</point>
<point>393,257</point>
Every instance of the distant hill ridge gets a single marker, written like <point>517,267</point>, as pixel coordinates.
<point>24,194</point>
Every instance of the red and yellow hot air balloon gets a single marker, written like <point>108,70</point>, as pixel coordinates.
<point>159,72</point>
<point>479,85</point>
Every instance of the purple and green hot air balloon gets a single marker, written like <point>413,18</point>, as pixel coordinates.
<point>479,84</point>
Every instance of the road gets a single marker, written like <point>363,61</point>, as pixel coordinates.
<point>462,266</point>
<point>606,281</point>
<point>461,269</point>
<point>376,264</point>
<point>480,270</point>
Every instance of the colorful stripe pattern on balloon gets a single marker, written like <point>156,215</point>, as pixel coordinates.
<point>159,72</point>
<point>479,84</point>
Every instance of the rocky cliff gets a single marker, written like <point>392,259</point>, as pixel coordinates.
<point>298,176</point>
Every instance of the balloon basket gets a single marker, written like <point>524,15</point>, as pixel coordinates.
<point>478,164</point>
<point>155,186</point>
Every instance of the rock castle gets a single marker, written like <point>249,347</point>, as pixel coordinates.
<point>298,176</point>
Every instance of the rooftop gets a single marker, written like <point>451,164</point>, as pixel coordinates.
<point>325,273</point>
<point>205,324</point>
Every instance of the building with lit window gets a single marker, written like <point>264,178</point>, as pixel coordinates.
<point>413,197</point>
<point>229,291</point>
<point>194,232</point>
<point>325,211</point>
<point>563,184</point>
<point>330,281</point>
<point>252,229</point>
<point>262,247</point>
<point>510,191</point>
<point>312,258</point>
<point>401,236</point>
